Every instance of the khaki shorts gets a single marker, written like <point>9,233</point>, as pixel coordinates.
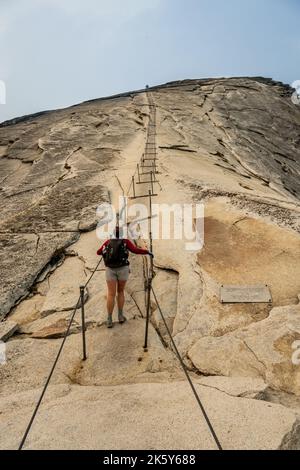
<point>117,274</point>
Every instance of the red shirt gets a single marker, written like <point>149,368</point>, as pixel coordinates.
<point>129,245</point>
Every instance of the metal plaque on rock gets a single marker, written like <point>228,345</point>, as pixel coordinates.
<point>245,294</point>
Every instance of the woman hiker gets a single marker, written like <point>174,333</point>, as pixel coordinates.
<point>115,256</point>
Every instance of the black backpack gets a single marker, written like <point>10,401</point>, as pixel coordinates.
<point>116,254</point>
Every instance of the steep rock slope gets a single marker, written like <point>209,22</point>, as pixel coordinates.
<point>53,171</point>
<point>232,144</point>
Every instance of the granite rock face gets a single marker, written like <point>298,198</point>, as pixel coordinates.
<point>7,329</point>
<point>53,170</point>
<point>263,349</point>
<point>230,144</point>
<point>148,416</point>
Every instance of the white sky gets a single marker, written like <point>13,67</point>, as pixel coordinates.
<point>54,53</point>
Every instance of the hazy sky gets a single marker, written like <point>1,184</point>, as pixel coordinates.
<point>54,53</point>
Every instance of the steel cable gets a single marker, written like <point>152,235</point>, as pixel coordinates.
<point>54,364</point>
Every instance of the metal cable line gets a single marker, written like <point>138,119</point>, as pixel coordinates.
<point>55,363</point>
<point>188,376</point>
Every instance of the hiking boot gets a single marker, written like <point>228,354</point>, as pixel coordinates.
<point>109,322</point>
<point>122,319</point>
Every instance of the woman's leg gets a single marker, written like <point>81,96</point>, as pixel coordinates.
<point>111,295</point>
<point>121,294</point>
<point>123,276</point>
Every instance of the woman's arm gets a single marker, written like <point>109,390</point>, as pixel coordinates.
<point>134,249</point>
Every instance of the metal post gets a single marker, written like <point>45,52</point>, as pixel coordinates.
<point>152,186</point>
<point>83,322</point>
<point>133,186</point>
<point>138,171</point>
<point>149,281</point>
<point>150,235</point>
